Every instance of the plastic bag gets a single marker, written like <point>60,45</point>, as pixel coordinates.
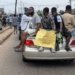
<point>59,37</point>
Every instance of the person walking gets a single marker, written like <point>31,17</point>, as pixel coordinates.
<point>10,21</point>
<point>15,21</point>
<point>4,21</point>
<point>0,22</point>
<point>19,27</point>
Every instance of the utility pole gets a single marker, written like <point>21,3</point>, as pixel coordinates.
<point>21,6</point>
<point>70,2</point>
<point>16,7</point>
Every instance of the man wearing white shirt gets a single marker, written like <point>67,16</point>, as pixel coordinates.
<point>24,23</point>
<point>29,25</point>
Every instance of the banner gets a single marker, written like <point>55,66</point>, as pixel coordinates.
<point>45,38</point>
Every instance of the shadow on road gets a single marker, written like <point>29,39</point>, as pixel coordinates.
<point>52,63</point>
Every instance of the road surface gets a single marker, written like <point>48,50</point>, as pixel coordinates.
<point>11,63</point>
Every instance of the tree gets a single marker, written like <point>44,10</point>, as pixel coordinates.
<point>39,12</point>
<point>15,6</point>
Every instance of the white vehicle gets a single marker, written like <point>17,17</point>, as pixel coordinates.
<point>31,52</point>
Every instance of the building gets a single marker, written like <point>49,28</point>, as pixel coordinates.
<point>1,10</point>
<point>73,11</point>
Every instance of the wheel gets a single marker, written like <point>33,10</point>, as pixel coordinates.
<point>24,59</point>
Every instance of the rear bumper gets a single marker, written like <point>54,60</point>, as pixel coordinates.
<point>34,54</point>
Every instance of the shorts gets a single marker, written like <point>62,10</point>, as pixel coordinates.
<point>30,31</point>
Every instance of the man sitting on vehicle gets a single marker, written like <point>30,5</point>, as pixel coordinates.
<point>69,23</point>
<point>24,23</point>
<point>47,22</point>
<point>58,24</point>
<point>31,27</point>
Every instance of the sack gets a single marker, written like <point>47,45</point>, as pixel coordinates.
<point>45,38</point>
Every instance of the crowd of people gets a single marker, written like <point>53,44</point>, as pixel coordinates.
<point>10,20</point>
<point>30,23</point>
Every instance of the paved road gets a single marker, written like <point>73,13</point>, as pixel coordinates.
<point>11,63</point>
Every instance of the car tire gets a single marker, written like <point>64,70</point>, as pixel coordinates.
<point>24,59</point>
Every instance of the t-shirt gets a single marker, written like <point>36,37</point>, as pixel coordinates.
<point>46,22</point>
<point>35,20</point>
<point>57,20</point>
<point>24,22</point>
<point>69,21</point>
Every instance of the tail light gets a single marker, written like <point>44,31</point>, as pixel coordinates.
<point>73,43</point>
<point>29,43</point>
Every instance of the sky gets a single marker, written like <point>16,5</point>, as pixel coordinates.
<point>8,5</point>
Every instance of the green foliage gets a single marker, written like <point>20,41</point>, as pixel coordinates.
<point>39,13</point>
